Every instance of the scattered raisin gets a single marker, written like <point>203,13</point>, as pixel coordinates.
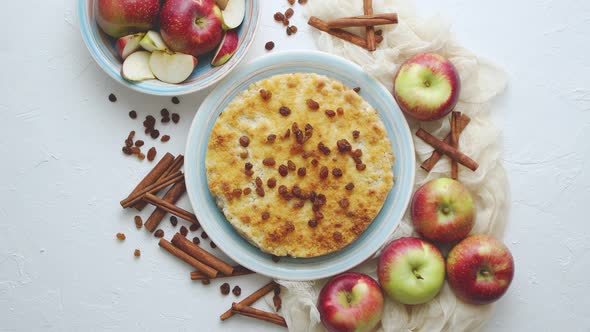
<point>138,222</point>
<point>165,138</point>
<point>287,133</point>
<point>323,149</point>
<point>194,227</point>
<point>343,145</point>
<point>271,138</point>
<point>298,204</point>
<point>260,191</point>
<point>361,167</point>
<point>296,190</point>
<point>175,117</point>
<point>344,203</point>
<point>268,161</point>
<point>283,190</point>
<point>155,133</point>
<point>289,12</point>
<point>269,45</point>
<point>133,114</point>
<point>247,191</point>
<point>224,288</point>
<point>196,240</point>
<point>291,2</point>
<point>291,165</point>
<point>349,186</point>
<point>277,302</point>
<point>237,192</point>
<point>330,113</point>
<point>258,182</point>
<point>183,230</point>
<point>212,244</point>
<point>312,223</point>
<point>283,171</point>
<point>244,154</point>
<point>175,101</point>
<point>265,215</point>
<point>357,89</point>
<point>312,104</point>
<point>164,112</point>
<point>128,143</point>
<point>248,166</point>
<point>244,141</point>
<point>301,171</point>
<point>139,143</point>
<point>165,119</point>
<point>112,98</point>
<point>205,281</point>
<point>318,215</point>
<point>120,236</point>
<point>237,291</point>
<point>249,172</point>
<point>340,111</point>
<point>265,94</point>
<point>173,221</point>
<point>159,233</point>
<point>291,30</point>
<point>337,236</point>
<point>141,156</point>
<point>357,153</point>
<point>302,2</point>
<point>279,17</point>
<point>204,235</point>
<point>135,150</point>
<point>337,172</point>
<point>314,162</point>
<point>136,253</point>
<point>379,32</point>
<point>151,154</point>
<point>323,172</point>
<point>285,22</point>
<point>284,111</point>
<point>271,183</point>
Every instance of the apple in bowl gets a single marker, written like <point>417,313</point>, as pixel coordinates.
<point>480,269</point>
<point>351,302</point>
<point>427,86</point>
<point>118,18</point>
<point>411,270</point>
<point>442,210</point>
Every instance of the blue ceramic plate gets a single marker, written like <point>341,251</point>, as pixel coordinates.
<point>102,49</point>
<point>223,233</point>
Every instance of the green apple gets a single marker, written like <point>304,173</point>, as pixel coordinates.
<point>411,270</point>
<point>427,86</point>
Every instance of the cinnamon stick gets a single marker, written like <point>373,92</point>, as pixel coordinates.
<point>205,269</point>
<point>258,314</point>
<point>171,208</point>
<point>363,21</point>
<point>140,195</point>
<point>201,255</point>
<point>257,295</point>
<point>448,150</point>
<point>370,30</point>
<point>154,174</point>
<point>429,163</point>
<point>173,168</point>
<point>455,116</point>
<point>339,33</point>
<point>172,196</point>
<point>238,271</point>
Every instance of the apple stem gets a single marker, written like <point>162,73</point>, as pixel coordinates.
<point>417,274</point>
<point>446,210</point>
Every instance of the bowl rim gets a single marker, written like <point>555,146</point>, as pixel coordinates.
<point>170,89</point>
<point>192,169</point>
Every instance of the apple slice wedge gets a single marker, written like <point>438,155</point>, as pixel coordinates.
<point>172,67</point>
<point>128,44</point>
<point>226,49</point>
<point>233,14</point>
<point>153,42</point>
<point>221,3</point>
<point>137,67</point>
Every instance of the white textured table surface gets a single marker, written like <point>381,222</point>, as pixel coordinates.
<point>62,174</point>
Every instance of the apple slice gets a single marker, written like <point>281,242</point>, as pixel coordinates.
<point>153,42</point>
<point>233,14</point>
<point>137,67</point>
<point>172,67</point>
<point>128,44</point>
<point>221,3</point>
<point>226,49</point>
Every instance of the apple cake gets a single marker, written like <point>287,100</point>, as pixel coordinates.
<point>299,164</point>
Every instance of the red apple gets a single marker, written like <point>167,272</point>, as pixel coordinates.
<point>442,210</point>
<point>411,270</point>
<point>351,302</point>
<point>480,269</point>
<point>118,18</point>
<point>426,86</point>
<point>191,26</point>
<point>227,48</point>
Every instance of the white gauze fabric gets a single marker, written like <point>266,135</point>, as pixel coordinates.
<point>480,81</point>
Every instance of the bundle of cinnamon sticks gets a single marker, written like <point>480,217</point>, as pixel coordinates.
<point>368,20</point>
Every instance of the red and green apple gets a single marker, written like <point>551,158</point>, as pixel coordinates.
<point>226,49</point>
<point>118,18</point>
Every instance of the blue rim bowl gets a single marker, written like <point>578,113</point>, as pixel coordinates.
<point>222,232</point>
<point>102,49</point>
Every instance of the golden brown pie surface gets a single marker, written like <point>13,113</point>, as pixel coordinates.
<point>302,170</point>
